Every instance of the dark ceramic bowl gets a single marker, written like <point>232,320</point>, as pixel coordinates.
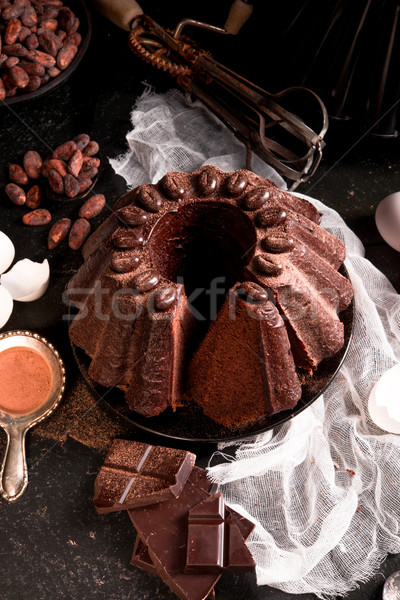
<point>85,29</point>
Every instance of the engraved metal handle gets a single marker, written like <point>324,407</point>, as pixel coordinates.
<point>14,472</point>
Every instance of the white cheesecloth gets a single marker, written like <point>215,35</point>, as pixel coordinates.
<point>324,488</point>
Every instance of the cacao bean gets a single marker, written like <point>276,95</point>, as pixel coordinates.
<point>81,141</point>
<point>32,162</point>
<point>32,68</point>
<point>61,34</point>
<point>58,232</point>
<point>12,61</point>
<point>66,56</point>
<point>49,24</point>
<point>91,149</point>
<point>84,184</point>
<point>58,165</point>
<point>11,92</point>
<point>74,38</point>
<point>79,232</point>
<point>90,161</point>
<point>49,42</point>
<point>34,83</point>
<point>29,17</point>
<point>32,42</point>
<point>71,186</point>
<point>12,31</point>
<point>17,174</point>
<point>42,58</point>
<point>56,182</point>
<point>33,197</point>
<point>53,72</point>
<point>2,89</point>
<point>24,33</point>
<point>3,58</point>
<point>66,18</point>
<point>16,77</point>
<point>45,78</point>
<point>92,207</point>
<point>16,194</point>
<point>11,12</point>
<point>88,172</point>
<point>38,217</point>
<point>65,151</point>
<point>75,163</point>
<point>50,12</point>
<point>16,49</point>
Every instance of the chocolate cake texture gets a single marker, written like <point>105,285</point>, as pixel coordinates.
<point>210,287</point>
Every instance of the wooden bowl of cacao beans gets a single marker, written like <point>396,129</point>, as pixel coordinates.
<point>41,44</point>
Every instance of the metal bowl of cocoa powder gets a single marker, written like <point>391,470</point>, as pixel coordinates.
<point>82,12</point>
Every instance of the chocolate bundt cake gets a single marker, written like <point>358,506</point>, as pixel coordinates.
<point>210,287</point>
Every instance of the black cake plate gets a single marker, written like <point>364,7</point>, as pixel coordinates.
<point>188,423</point>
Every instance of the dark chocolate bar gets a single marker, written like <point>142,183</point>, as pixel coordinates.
<point>141,558</point>
<point>214,541</point>
<point>136,474</point>
<point>162,528</point>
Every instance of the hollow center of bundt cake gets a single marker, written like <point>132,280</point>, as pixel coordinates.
<point>205,246</point>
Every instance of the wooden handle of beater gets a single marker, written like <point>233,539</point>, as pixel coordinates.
<point>119,12</point>
<point>239,13</point>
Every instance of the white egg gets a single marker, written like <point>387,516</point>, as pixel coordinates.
<point>387,219</point>
<point>384,401</point>
<point>27,280</point>
<point>7,252</point>
<point>6,306</point>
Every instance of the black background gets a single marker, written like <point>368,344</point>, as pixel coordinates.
<point>53,544</point>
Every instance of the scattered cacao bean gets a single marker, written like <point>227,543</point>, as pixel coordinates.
<point>12,61</point>
<point>32,162</point>
<point>92,207</point>
<point>16,194</point>
<point>53,72</point>
<point>41,216</point>
<point>17,174</point>
<point>78,234</point>
<point>58,232</point>
<point>33,197</point>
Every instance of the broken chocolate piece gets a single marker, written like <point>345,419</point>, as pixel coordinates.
<point>162,528</point>
<point>214,542</point>
<point>136,474</point>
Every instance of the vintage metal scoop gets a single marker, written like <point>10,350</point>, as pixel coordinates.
<point>14,472</point>
<point>259,119</point>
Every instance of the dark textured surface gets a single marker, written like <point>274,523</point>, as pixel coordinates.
<point>53,544</point>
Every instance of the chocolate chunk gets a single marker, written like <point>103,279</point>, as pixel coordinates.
<point>214,542</point>
<point>163,527</point>
<point>136,474</point>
